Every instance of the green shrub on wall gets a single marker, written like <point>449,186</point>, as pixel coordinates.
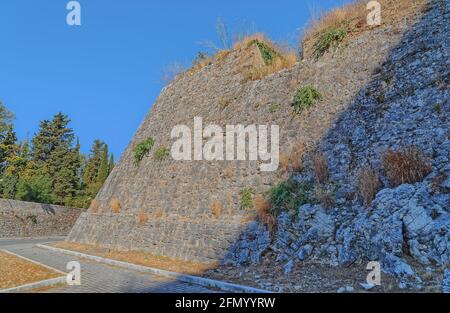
<point>330,38</point>
<point>305,98</point>
<point>142,149</point>
<point>162,153</point>
<point>247,198</point>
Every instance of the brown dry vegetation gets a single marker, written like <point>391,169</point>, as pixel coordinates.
<point>406,166</point>
<point>354,16</point>
<point>142,217</point>
<point>262,207</point>
<point>368,185</point>
<point>115,206</point>
<point>320,167</point>
<point>16,272</point>
<point>95,206</point>
<point>325,197</point>
<point>141,258</point>
<point>216,209</point>
<point>284,59</point>
<point>284,163</point>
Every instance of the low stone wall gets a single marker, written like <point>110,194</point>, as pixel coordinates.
<point>27,219</point>
<point>201,240</point>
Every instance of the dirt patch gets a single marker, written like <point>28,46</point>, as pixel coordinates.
<point>15,272</point>
<point>140,258</point>
<point>310,278</point>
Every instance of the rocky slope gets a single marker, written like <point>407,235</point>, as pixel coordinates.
<point>406,228</point>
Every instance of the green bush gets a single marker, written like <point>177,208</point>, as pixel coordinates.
<point>161,153</point>
<point>247,198</point>
<point>142,149</point>
<point>289,196</point>
<point>305,98</point>
<point>330,38</point>
<point>268,53</point>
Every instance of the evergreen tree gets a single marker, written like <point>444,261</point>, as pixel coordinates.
<point>103,170</point>
<point>54,155</point>
<point>8,146</point>
<point>111,163</point>
<point>93,164</point>
<point>6,117</point>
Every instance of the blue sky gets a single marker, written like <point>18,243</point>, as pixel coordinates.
<point>106,73</point>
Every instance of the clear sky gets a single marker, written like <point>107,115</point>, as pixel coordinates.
<point>106,73</point>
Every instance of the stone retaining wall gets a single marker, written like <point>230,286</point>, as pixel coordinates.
<point>27,219</point>
<point>202,240</point>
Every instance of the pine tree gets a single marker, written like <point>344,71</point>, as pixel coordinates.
<point>54,155</point>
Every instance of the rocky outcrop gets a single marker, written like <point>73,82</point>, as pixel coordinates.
<point>405,104</point>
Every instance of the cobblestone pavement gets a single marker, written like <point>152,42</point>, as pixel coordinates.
<point>98,277</point>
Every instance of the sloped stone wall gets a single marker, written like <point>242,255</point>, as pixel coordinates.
<point>27,219</point>
<point>186,190</point>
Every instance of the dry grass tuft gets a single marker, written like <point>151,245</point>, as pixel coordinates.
<point>95,206</point>
<point>320,167</point>
<point>406,166</point>
<point>228,173</point>
<point>275,58</point>
<point>262,207</point>
<point>172,71</point>
<point>284,163</point>
<point>115,206</point>
<point>326,198</point>
<point>368,185</point>
<point>216,209</point>
<point>143,217</point>
<point>297,157</point>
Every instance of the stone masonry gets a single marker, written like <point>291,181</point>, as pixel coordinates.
<point>27,219</point>
<point>183,193</point>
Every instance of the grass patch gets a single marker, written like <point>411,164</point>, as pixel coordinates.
<point>247,198</point>
<point>289,196</point>
<point>331,38</point>
<point>305,98</point>
<point>368,185</point>
<point>274,108</point>
<point>142,149</point>
<point>267,52</point>
<point>162,153</point>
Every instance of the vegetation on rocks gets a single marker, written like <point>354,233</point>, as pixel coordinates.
<point>142,149</point>
<point>305,98</point>
<point>162,153</point>
<point>331,38</point>
<point>406,166</point>
<point>247,198</point>
<point>289,196</point>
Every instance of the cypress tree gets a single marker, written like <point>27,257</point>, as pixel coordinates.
<point>111,163</point>
<point>103,171</point>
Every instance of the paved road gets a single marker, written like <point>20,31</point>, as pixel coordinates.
<point>98,277</point>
